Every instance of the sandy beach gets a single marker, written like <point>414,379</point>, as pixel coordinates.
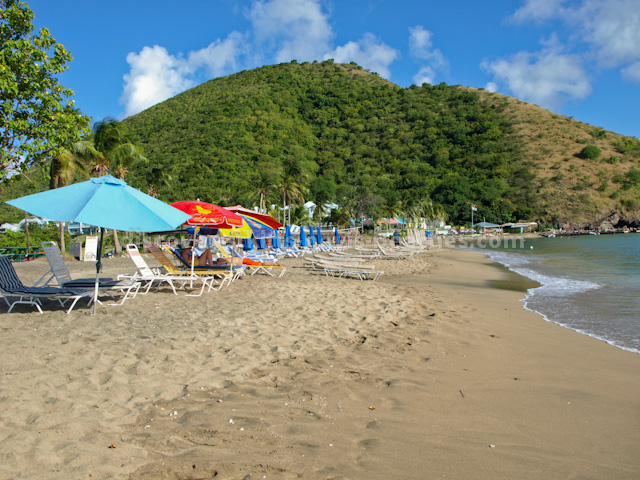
<point>431,372</point>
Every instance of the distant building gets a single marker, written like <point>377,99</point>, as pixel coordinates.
<point>519,227</point>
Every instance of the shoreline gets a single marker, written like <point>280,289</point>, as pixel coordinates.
<point>428,372</point>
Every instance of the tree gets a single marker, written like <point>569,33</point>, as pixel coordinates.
<point>590,152</point>
<point>293,183</point>
<point>64,166</point>
<point>266,184</point>
<point>37,118</point>
<point>117,152</point>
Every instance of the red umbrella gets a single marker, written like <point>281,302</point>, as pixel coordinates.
<point>263,217</point>
<point>210,215</point>
<point>203,213</point>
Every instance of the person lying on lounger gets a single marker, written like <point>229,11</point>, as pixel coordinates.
<point>203,257</point>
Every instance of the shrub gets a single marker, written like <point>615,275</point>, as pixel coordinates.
<point>590,152</point>
<point>633,176</point>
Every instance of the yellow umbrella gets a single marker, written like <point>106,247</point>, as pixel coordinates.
<point>237,232</point>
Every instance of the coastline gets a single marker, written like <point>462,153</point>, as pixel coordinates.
<point>428,372</point>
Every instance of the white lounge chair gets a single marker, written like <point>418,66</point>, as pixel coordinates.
<point>59,273</point>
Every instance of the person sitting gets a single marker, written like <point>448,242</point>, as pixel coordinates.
<point>203,257</point>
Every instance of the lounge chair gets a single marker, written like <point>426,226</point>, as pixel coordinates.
<point>12,287</point>
<point>251,265</point>
<point>144,273</point>
<point>219,276</point>
<point>59,273</point>
<point>238,270</point>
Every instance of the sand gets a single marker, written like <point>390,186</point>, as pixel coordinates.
<point>427,373</point>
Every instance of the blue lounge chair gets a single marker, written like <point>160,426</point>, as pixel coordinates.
<point>12,287</point>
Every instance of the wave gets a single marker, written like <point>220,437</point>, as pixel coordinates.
<point>547,299</point>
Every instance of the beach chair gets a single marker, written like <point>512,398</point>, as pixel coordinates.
<point>59,273</point>
<point>254,262</point>
<point>361,271</point>
<point>208,277</point>
<point>12,287</point>
<point>146,274</point>
<point>237,270</point>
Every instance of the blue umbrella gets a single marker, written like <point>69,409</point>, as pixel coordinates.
<point>276,240</point>
<point>288,239</point>
<point>312,238</point>
<point>104,202</point>
<point>247,244</point>
<point>259,229</point>
<point>303,237</point>
<point>337,237</point>
<point>320,239</point>
<point>262,243</point>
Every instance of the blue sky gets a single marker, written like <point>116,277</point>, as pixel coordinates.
<point>579,58</point>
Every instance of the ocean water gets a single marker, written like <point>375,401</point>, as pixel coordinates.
<point>590,283</point>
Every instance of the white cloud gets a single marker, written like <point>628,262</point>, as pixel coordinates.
<point>295,29</point>
<point>155,75</point>
<point>491,87</point>
<point>424,75</point>
<point>367,52</point>
<point>547,78</point>
<point>610,29</point>
<point>219,57</point>
<point>536,10</point>
<point>421,48</point>
<point>632,73</point>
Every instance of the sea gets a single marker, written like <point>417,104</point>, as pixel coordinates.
<point>588,283</point>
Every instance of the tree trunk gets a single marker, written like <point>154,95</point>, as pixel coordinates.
<point>26,228</point>
<point>116,244</point>
<point>62,245</point>
<point>284,208</point>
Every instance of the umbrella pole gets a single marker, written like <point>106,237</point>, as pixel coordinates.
<point>98,268</point>
<point>193,255</point>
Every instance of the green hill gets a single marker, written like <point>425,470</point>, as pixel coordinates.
<point>377,149</point>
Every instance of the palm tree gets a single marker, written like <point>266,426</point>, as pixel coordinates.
<point>71,160</point>
<point>293,183</point>
<point>118,153</point>
<point>266,184</point>
<point>292,191</point>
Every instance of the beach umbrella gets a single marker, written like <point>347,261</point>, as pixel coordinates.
<point>288,238</point>
<point>263,217</point>
<point>337,236</point>
<point>207,214</point>
<point>312,237</point>
<point>258,228</point>
<point>319,239</point>
<point>247,244</point>
<point>276,240</point>
<point>104,202</point>
<point>303,237</point>
<point>261,243</point>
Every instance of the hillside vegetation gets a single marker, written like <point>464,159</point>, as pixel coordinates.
<point>332,132</point>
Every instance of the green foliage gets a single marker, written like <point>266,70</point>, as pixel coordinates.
<point>590,152</point>
<point>632,176</point>
<point>38,119</point>
<point>354,136</point>
<point>627,145</point>
<point>37,235</point>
